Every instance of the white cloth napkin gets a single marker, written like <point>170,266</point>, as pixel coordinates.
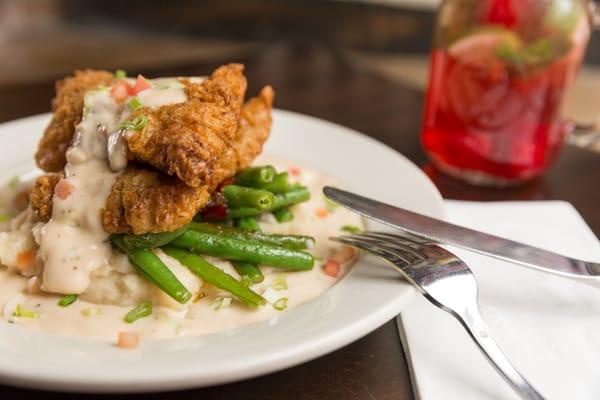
<point>548,326</point>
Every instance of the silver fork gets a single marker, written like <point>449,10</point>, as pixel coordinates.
<point>447,282</point>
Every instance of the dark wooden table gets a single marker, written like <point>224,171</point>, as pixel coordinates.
<point>319,81</point>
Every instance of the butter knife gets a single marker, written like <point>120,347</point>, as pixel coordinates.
<point>442,232</point>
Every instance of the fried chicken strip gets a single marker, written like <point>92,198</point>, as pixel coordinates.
<point>67,108</point>
<point>143,200</point>
<point>40,195</point>
<point>254,129</point>
<point>192,140</point>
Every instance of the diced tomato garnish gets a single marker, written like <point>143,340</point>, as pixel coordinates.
<point>215,212</point>
<point>141,83</point>
<point>332,268</point>
<point>128,340</point>
<point>120,91</point>
<point>321,212</point>
<point>26,258</point>
<point>63,189</point>
<point>294,171</point>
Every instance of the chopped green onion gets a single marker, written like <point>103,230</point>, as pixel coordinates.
<point>221,302</point>
<point>246,280</point>
<point>330,204</point>
<point>136,124</point>
<point>351,229</point>
<point>14,181</point>
<point>120,74</point>
<point>67,300</point>
<point>281,304</point>
<point>4,217</point>
<point>144,309</point>
<point>280,283</point>
<point>90,312</point>
<point>19,312</point>
<point>135,103</point>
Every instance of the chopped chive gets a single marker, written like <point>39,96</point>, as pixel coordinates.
<point>90,312</point>
<point>67,300</point>
<point>14,181</point>
<point>330,204</point>
<point>136,124</point>
<point>120,74</point>
<point>281,304</point>
<point>351,229</point>
<point>135,103</point>
<point>144,309</point>
<point>280,283</point>
<point>246,280</point>
<point>221,302</point>
<point>19,312</point>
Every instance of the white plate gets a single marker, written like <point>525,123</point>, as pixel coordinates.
<point>368,297</point>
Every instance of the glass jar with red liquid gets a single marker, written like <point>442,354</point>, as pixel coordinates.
<point>498,76</point>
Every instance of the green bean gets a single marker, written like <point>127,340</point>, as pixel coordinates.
<point>292,242</point>
<point>282,200</point>
<point>240,196</point>
<point>67,300</point>
<point>256,177</point>
<point>231,248</point>
<point>142,310</point>
<point>151,240</point>
<point>214,276</point>
<point>151,266</point>
<point>280,184</point>
<point>248,223</point>
<point>283,215</point>
<point>248,269</point>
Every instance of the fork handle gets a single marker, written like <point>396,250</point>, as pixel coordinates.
<point>477,328</point>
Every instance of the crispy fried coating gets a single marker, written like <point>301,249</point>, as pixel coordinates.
<point>150,201</point>
<point>67,108</point>
<point>192,140</point>
<point>40,195</point>
<point>254,129</point>
<point>194,146</point>
<point>143,200</point>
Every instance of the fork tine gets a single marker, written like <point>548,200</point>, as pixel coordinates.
<point>376,249</point>
<point>397,241</point>
<point>406,253</point>
<point>403,236</point>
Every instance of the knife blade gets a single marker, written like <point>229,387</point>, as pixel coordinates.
<point>443,232</point>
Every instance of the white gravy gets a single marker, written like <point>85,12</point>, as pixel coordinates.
<point>73,243</point>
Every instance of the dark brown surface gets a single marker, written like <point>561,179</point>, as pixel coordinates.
<point>318,81</point>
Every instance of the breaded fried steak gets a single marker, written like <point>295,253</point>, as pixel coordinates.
<point>184,151</point>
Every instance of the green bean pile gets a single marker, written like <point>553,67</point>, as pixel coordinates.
<point>238,238</point>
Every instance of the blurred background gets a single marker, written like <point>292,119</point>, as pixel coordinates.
<point>43,40</point>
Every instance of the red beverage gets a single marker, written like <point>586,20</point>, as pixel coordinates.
<point>496,86</point>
